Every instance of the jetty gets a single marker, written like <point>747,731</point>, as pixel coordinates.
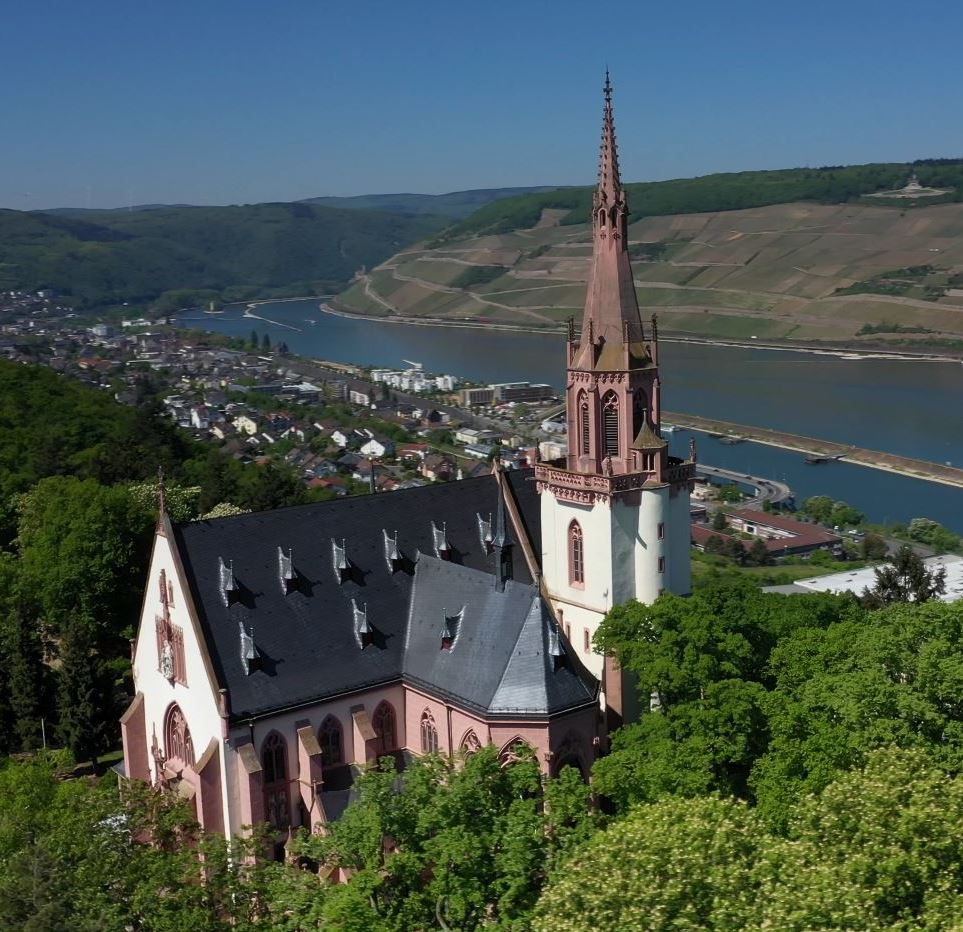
<point>821,451</point>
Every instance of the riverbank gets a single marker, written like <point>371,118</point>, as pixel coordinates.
<point>826,450</point>
<point>838,352</point>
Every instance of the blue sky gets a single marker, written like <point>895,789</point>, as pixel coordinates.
<point>215,102</point>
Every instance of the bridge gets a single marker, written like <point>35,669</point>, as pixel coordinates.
<point>821,450</point>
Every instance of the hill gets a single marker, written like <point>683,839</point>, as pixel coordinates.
<point>791,256</point>
<point>169,256</point>
<point>456,205</point>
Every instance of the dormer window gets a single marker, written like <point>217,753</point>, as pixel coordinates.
<point>485,532</point>
<point>228,583</point>
<point>286,573</point>
<point>439,538</point>
<point>451,626</point>
<point>362,630</point>
<point>250,656</point>
<point>392,553</point>
<point>339,557</point>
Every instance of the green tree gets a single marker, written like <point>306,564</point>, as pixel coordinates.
<point>84,705</point>
<point>25,672</point>
<point>930,532</point>
<point>677,864</point>
<point>719,522</point>
<point>253,341</point>
<point>906,579</point>
<point>874,546</point>
<point>84,549</point>
<point>452,847</point>
<point>819,507</point>
<point>759,553</point>
<point>266,343</point>
<point>871,680</point>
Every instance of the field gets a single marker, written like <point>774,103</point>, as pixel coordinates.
<point>855,274</point>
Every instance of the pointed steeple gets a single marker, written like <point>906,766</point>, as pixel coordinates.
<point>611,326</point>
<point>609,181</point>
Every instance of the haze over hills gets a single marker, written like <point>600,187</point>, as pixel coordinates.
<point>797,255</point>
<point>456,204</point>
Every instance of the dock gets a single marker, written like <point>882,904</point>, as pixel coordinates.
<point>821,451</point>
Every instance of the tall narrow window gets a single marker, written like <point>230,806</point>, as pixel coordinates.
<point>177,736</point>
<point>383,723</point>
<point>576,555</point>
<point>610,425</point>
<point>274,761</point>
<point>583,420</point>
<point>429,733</point>
<point>331,739</point>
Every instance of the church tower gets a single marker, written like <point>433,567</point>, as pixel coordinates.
<point>615,515</point>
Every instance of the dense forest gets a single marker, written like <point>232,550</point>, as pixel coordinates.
<point>733,191</point>
<point>171,256</point>
<point>78,506</point>
<point>800,764</point>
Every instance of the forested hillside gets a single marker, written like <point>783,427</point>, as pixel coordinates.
<point>729,191</point>
<point>169,256</point>
<point>456,205</point>
<point>78,505</point>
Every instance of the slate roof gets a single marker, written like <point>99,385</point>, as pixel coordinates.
<point>500,661</point>
<point>306,637</point>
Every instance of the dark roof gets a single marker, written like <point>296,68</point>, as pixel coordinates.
<point>499,661</point>
<point>306,638</point>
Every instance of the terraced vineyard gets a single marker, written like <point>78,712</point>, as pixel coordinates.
<point>853,274</point>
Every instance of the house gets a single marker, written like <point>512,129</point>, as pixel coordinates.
<point>361,393</point>
<point>437,466</point>
<point>378,446</point>
<point>245,424</point>
<point>200,417</point>
<point>413,451</point>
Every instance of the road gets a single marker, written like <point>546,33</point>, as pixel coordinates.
<point>767,490</point>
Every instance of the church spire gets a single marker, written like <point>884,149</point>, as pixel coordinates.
<point>609,181</point>
<point>611,308</point>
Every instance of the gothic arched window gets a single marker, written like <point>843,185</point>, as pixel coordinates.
<point>274,762</point>
<point>576,555</point>
<point>331,739</point>
<point>583,423</point>
<point>429,733</point>
<point>383,723</point>
<point>610,425</point>
<point>516,750</point>
<point>470,743</point>
<point>177,736</point>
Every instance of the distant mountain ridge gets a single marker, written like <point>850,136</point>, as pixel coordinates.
<point>797,256</point>
<point>170,257</point>
<point>455,204</point>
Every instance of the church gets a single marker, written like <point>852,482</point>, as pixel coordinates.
<point>279,652</point>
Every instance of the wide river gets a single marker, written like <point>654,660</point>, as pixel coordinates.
<point>910,407</point>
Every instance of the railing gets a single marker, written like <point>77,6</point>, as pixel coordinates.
<point>675,472</point>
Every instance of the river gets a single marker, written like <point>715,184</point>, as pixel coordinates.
<point>908,407</point>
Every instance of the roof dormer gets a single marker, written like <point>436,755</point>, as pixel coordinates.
<point>228,584</point>
<point>287,575</point>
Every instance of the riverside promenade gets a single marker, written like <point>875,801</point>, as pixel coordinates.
<point>811,446</point>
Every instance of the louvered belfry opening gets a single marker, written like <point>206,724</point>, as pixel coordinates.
<point>610,425</point>
<point>583,412</point>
